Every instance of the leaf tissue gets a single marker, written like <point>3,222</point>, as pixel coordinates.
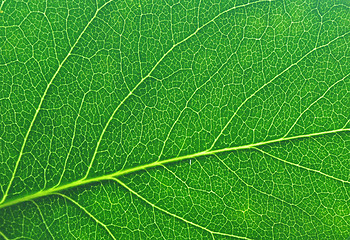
<point>165,119</point>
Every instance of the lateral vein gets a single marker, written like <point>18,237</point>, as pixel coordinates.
<point>270,81</point>
<point>300,166</point>
<point>42,217</point>
<point>265,193</point>
<point>4,236</point>
<point>87,212</point>
<point>174,215</point>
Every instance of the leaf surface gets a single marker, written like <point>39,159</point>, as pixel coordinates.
<point>175,120</point>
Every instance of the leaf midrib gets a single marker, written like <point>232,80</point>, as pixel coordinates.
<point>112,176</point>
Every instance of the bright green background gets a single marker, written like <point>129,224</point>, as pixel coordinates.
<point>174,119</point>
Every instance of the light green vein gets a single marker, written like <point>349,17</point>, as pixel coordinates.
<point>42,217</point>
<point>270,81</point>
<point>314,102</point>
<point>88,213</point>
<point>80,182</point>
<point>2,4</point>
<point>150,73</point>
<point>72,141</point>
<point>265,193</point>
<point>188,101</point>
<point>174,215</point>
<point>302,167</point>
<point>42,100</point>
<point>4,236</point>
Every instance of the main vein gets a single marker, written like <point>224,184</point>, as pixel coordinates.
<point>111,176</point>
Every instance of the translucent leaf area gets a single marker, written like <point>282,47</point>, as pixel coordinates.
<point>165,119</point>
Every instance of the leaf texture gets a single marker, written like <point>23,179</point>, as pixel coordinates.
<point>203,119</point>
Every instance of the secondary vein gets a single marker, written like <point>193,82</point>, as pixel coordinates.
<point>88,213</point>
<point>174,215</point>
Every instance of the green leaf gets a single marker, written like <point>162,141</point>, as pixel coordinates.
<point>174,119</point>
